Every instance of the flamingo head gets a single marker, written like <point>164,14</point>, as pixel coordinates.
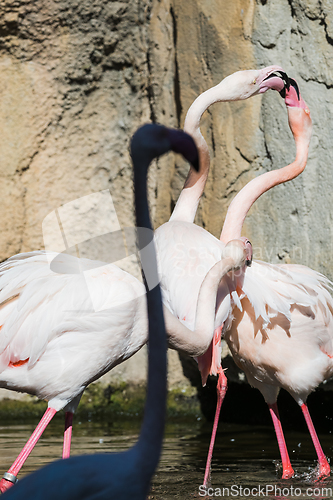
<point>298,113</point>
<point>245,84</point>
<point>240,250</point>
<point>152,140</point>
<point>274,78</point>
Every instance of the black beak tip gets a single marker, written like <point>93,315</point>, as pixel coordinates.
<point>283,93</point>
<point>294,84</point>
<point>286,80</point>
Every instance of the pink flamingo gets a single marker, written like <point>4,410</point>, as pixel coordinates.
<point>53,344</point>
<point>127,475</point>
<point>283,335</point>
<point>186,251</point>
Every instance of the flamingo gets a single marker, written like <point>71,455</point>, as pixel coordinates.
<point>185,251</point>
<point>53,343</point>
<point>283,336</point>
<point>127,475</point>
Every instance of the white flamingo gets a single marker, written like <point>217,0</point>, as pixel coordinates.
<point>283,334</point>
<point>186,251</point>
<point>127,475</point>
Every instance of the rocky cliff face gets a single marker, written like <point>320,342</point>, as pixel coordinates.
<point>74,80</point>
<point>78,77</point>
<point>293,222</point>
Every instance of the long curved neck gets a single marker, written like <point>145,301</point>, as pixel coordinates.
<point>242,203</point>
<point>196,343</point>
<point>188,201</point>
<point>149,444</point>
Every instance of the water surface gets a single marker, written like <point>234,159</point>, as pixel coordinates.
<point>245,463</point>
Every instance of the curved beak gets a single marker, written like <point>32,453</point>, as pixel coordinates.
<point>249,251</point>
<point>249,254</point>
<point>293,98</point>
<point>293,83</point>
<point>277,80</point>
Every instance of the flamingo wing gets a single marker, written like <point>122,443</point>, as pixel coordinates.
<point>38,305</point>
<point>280,289</point>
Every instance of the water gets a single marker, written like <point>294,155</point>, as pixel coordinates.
<point>245,462</point>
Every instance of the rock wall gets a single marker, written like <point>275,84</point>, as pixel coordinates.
<point>298,215</point>
<point>292,223</point>
<point>74,79</point>
<point>78,77</point>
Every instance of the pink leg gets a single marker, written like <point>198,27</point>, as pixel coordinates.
<point>222,386</point>
<point>10,477</point>
<point>324,468</point>
<point>287,468</point>
<point>68,434</point>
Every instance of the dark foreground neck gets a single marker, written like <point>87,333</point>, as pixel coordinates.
<point>151,436</point>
